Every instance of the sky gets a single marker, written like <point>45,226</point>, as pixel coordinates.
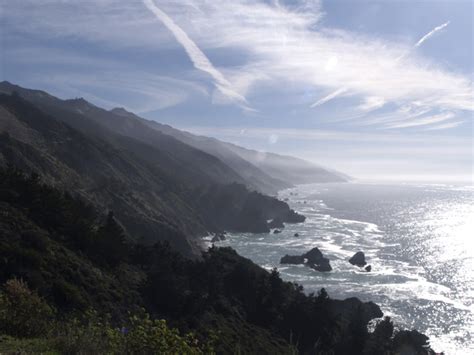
<point>380,90</point>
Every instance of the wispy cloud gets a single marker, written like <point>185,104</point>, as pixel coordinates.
<point>289,47</point>
<point>372,103</point>
<point>444,126</point>
<point>431,33</point>
<point>271,44</point>
<point>423,121</point>
<point>196,55</point>
<point>329,97</point>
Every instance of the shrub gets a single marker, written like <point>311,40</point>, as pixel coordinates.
<point>22,312</point>
<point>141,335</point>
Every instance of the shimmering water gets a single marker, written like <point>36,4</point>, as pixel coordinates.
<point>418,239</point>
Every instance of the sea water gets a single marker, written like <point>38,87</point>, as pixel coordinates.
<point>419,240</point>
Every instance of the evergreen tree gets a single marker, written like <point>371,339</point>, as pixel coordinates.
<point>110,245</point>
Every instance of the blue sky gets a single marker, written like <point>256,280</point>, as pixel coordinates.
<point>377,89</point>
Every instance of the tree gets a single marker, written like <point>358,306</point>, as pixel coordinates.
<point>110,242</point>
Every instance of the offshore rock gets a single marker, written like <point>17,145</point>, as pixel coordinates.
<point>358,259</point>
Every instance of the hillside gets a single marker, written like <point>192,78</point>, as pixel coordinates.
<point>225,162</point>
<point>254,176</point>
<point>85,288</point>
<point>190,164</point>
<point>288,168</point>
<point>156,195</point>
<point>270,171</point>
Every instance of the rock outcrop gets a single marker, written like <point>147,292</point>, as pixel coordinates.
<point>293,217</point>
<point>313,256</point>
<point>323,266</point>
<point>313,259</point>
<point>233,207</point>
<point>358,259</point>
<point>276,223</point>
<point>218,237</point>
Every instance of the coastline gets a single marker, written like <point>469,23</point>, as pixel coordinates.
<point>406,275</point>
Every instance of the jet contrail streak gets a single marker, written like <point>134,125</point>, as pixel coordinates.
<point>431,33</point>
<point>198,58</point>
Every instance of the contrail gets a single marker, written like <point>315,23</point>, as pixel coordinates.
<point>423,39</point>
<point>431,33</point>
<point>198,58</point>
<point>329,97</point>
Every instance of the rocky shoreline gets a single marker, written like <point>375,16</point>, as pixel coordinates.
<point>401,341</point>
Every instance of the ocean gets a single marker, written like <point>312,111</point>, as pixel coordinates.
<point>419,240</point>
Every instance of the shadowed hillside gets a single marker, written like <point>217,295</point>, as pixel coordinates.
<point>59,257</point>
<point>154,192</point>
<point>219,161</point>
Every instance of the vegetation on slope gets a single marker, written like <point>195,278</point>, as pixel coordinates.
<point>152,192</point>
<point>85,288</point>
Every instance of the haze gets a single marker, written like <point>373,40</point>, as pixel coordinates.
<point>376,89</point>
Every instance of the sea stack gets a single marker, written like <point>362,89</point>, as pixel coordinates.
<point>358,259</point>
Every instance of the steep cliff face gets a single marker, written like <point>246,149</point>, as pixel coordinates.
<point>237,209</point>
<point>147,199</point>
<point>152,190</point>
<point>220,161</point>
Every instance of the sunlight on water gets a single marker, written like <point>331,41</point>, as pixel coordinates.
<point>418,239</point>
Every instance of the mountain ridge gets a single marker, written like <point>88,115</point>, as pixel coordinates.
<point>247,169</point>
<point>271,165</point>
<point>156,195</point>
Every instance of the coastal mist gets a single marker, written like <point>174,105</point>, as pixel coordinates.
<point>418,240</point>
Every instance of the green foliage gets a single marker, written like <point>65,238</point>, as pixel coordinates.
<point>11,345</point>
<point>95,334</point>
<point>22,312</point>
<point>78,261</point>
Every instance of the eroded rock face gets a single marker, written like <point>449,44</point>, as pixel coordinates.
<point>276,223</point>
<point>293,217</point>
<point>313,259</point>
<point>313,256</point>
<point>358,259</point>
<point>323,266</point>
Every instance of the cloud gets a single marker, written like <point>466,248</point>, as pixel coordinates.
<point>423,121</point>
<point>329,97</point>
<point>270,44</point>
<point>445,126</point>
<point>372,103</point>
<point>286,46</point>
<point>431,33</point>
<point>196,55</point>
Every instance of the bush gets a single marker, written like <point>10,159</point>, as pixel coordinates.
<point>22,312</point>
<point>141,335</point>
